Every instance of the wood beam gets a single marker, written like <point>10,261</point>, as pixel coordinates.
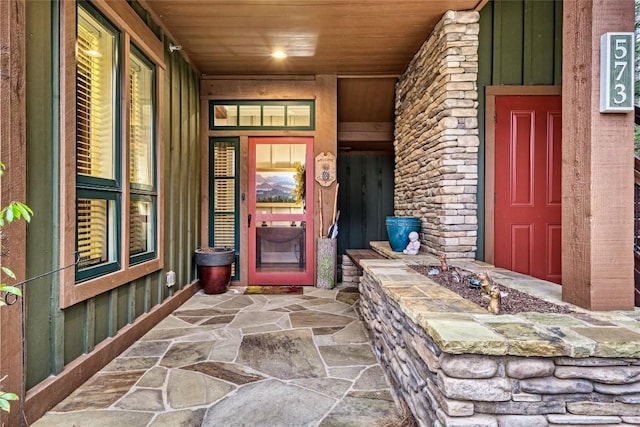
<point>597,165</point>
<point>12,187</point>
<point>365,131</point>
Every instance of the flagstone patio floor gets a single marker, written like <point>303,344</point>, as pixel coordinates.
<point>242,360</point>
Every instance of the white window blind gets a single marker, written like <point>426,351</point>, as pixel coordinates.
<point>140,227</point>
<point>93,232</point>
<point>224,157</point>
<point>140,121</point>
<point>141,159</point>
<point>224,221</point>
<point>95,139</point>
<point>95,94</point>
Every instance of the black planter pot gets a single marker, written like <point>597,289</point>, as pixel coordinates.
<point>214,268</point>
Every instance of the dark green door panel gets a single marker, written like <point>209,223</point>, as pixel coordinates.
<point>365,199</point>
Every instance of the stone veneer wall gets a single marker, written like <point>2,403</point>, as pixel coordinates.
<point>444,389</point>
<point>436,137</point>
<point>350,272</point>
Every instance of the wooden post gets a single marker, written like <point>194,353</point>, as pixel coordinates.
<point>12,187</point>
<point>597,165</point>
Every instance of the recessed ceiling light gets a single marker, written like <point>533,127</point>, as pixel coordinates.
<point>279,54</point>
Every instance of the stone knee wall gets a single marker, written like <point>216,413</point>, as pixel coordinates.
<point>444,389</point>
<point>350,272</point>
<point>436,137</point>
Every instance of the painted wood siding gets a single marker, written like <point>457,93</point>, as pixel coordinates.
<point>520,44</point>
<point>365,199</point>
<point>56,337</point>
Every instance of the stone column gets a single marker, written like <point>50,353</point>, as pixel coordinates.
<point>436,137</point>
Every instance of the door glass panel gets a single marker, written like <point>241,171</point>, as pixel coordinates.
<point>280,179</point>
<point>280,208</point>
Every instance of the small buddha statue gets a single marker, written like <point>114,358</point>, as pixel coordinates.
<point>414,244</point>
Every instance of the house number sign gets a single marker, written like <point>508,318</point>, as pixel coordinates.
<point>616,72</point>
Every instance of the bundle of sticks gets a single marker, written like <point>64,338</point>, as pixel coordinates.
<point>332,233</point>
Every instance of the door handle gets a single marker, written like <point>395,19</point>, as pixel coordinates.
<point>249,221</point>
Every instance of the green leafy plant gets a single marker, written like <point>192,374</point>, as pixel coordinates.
<point>14,211</point>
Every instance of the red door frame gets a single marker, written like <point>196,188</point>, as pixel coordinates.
<point>491,92</point>
<point>281,278</point>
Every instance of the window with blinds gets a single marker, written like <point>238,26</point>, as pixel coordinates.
<point>100,107</point>
<point>94,234</point>
<point>142,179</point>
<point>96,143</point>
<point>223,188</point>
<point>141,222</point>
<point>95,90</point>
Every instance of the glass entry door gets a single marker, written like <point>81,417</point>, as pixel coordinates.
<point>280,211</point>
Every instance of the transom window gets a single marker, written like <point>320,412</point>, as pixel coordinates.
<point>273,115</point>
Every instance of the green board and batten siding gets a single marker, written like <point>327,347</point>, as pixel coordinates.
<point>365,199</point>
<point>520,45</point>
<point>42,193</point>
<point>56,337</point>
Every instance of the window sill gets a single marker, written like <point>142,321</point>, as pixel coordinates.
<point>72,293</point>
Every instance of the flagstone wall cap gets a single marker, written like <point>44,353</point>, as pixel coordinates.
<point>459,326</point>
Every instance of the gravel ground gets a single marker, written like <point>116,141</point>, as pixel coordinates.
<point>513,301</point>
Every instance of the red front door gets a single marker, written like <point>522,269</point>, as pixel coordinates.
<point>281,211</point>
<point>528,189</point>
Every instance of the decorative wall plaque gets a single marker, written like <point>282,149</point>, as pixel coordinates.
<point>325,169</point>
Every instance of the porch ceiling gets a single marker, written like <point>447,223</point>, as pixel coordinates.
<point>343,37</point>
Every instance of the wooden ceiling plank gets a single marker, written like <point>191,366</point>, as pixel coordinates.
<point>366,36</point>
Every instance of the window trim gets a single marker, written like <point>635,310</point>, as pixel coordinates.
<point>133,32</point>
<point>262,103</point>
